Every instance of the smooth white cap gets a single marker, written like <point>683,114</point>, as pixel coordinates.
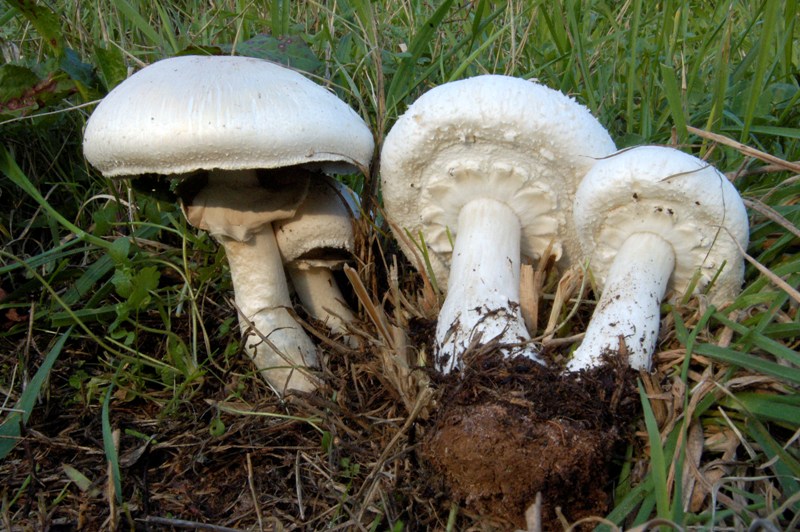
<point>221,112</point>
<point>495,137</point>
<point>674,195</point>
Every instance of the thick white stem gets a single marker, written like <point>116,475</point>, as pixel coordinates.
<point>482,301</point>
<point>628,312</point>
<point>262,295</point>
<point>320,295</point>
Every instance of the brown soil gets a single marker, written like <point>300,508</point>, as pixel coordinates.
<point>507,430</point>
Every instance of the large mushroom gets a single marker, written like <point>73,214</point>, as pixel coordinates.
<point>317,240</point>
<point>480,171</point>
<point>653,219</point>
<point>245,137</point>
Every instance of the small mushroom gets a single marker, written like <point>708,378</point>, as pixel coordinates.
<point>245,137</point>
<point>653,219</point>
<point>318,239</point>
<point>483,170</point>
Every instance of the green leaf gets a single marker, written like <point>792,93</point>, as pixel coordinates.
<point>123,282</point>
<point>77,70</point>
<point>119,250</point>
<point>15,81</point>
<point>80,480</point>
<point>11,429</point>
<point>217,427</point>
<point>290,50</point>
<point>44,20</point>
<point>144,281</point>
<point>111,65</point>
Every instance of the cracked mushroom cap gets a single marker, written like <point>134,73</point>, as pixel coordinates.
<point>495,137</point>
<point>676,196</point>
<point>193,113</point>
<point>320,234</point>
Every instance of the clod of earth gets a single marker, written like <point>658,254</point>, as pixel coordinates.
<point>513,428</point>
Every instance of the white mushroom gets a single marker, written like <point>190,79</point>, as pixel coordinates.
<point>316,240</point>
<point>490,162</point>
<point>651,219</point>
<point>238,120</point>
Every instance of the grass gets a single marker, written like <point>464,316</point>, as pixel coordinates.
<point>131,307</point>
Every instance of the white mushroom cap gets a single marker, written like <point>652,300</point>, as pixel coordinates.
<point>220,112</point>
<point>321,231</point>
<point>493,137</point>
<point>676,196</point>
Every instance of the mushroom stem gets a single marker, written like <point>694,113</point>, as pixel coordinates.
<point>321,297</point>
<point>262,295</point>
<point>482,301</point>
<point>629,310</point>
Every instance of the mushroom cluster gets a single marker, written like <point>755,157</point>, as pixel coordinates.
<point>247,140</point>
<point>487,170</point>
<point>481,172</point>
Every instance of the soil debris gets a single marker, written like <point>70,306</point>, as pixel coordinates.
<point>508,429</point>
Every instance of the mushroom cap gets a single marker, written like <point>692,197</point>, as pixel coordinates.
<point>193,113</point>
<point>495,137</point>
<point>674,195</point>
<point>320,234</point>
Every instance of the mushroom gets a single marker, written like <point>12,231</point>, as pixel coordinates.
<point>652,219</point>
<point>316,240</point>
<point>245,137</point>
<point>480,171</point>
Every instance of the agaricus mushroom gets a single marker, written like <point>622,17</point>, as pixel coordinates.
<point>484,169</point>
<point>650,219</point>
<point>318,239</point>
<point>249,134</point>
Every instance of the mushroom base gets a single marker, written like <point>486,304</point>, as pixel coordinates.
<point>496,446</point>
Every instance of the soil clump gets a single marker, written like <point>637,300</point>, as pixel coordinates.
<point>508,429</point>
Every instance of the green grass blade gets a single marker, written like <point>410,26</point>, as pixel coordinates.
<point>764,58</point>
<point>9,167</point>
<point>108,443</point>
<point>140,24</point>
<point>768,406</point>
<point>786,466</point>
<point>633,63</point>
<point>11,430</point>
<point>719,85</point>
<point>418,45</point>
<point>658,465</point>
<point>674,101</point>
<point>752,362</point>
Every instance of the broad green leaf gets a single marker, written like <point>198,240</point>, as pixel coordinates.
<point>15,81</point>
<point>44,20</point>
<point>290,50</point>
<point>111,65</point>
